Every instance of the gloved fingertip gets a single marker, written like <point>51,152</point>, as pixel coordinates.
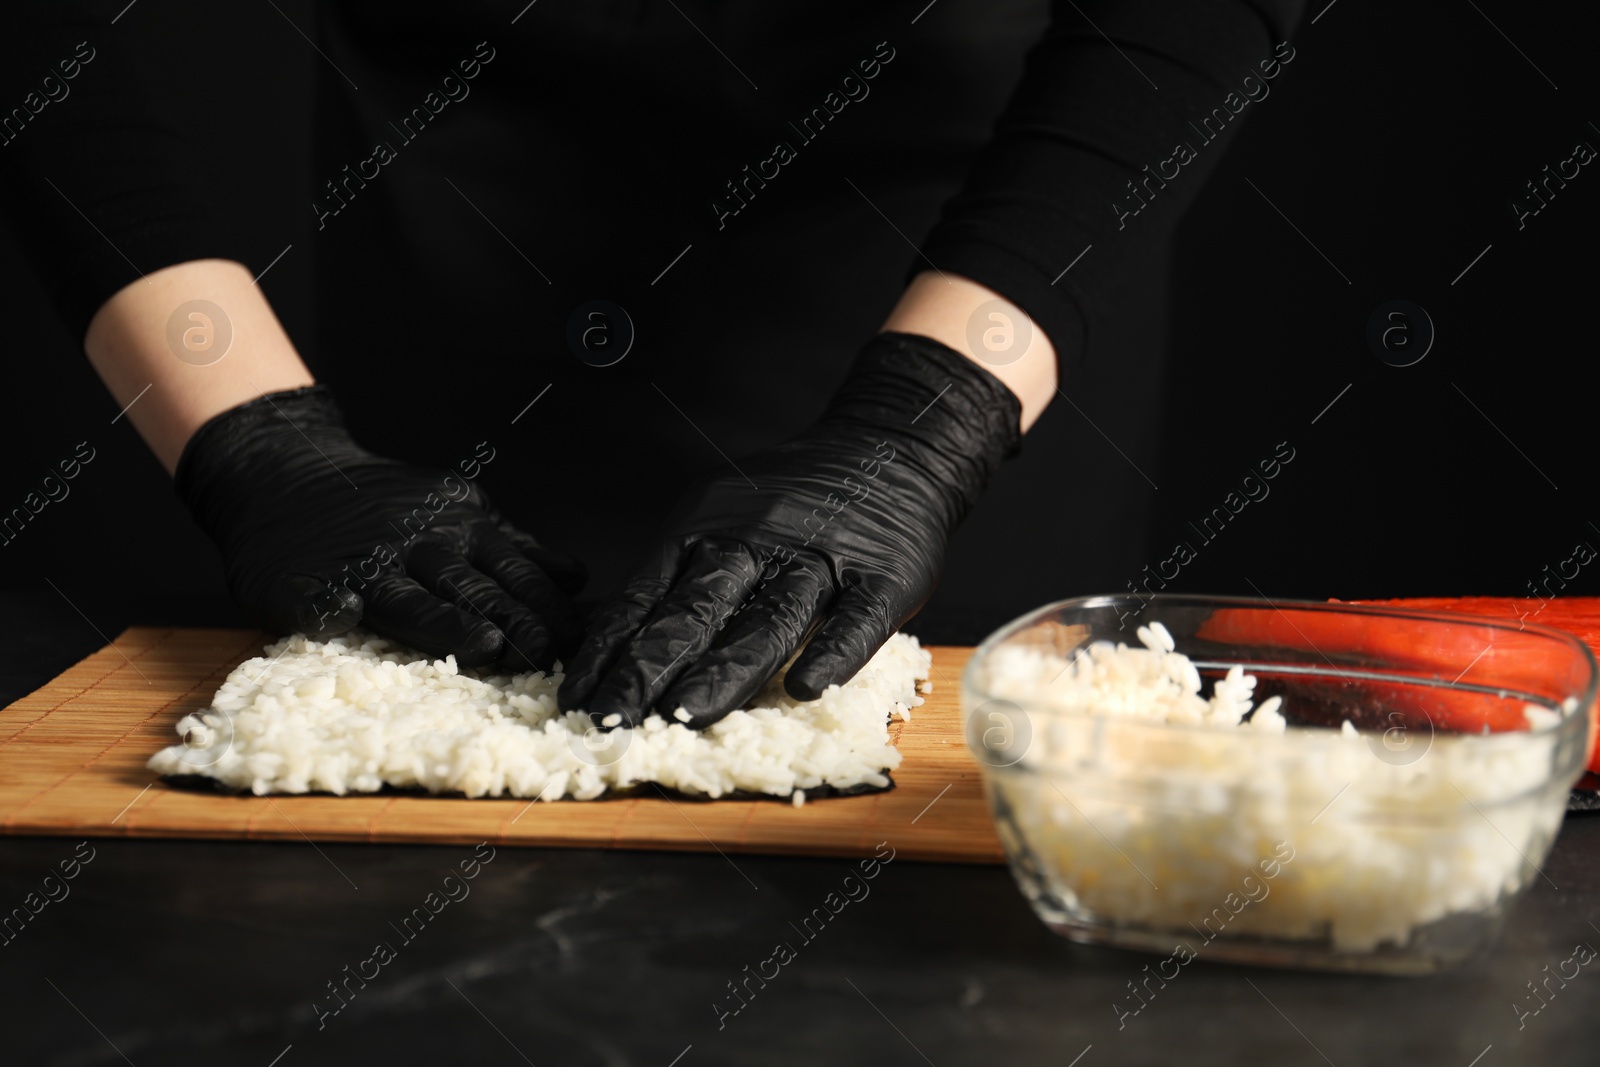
<point>693,700</point>
<point>608,713</point>
<point>709,693</point>
<point>480,646</point>
<point>805,687</point>
<point>853,633</point>
<point>701,708</point>
<point>583,672</point>
<point>318,621</point>
<point>819,666</point>
<point>302,603</point>
<point>574,691</point>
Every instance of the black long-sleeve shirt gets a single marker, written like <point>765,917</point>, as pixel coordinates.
<point>1102,145</point>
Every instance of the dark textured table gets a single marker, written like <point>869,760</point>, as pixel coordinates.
<point>207,953</point>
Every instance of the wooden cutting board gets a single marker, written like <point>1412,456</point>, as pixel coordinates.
<point>72,762</point>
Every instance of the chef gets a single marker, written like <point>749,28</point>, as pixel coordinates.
<point>646,271</point>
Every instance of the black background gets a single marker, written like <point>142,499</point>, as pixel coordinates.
<point>1395,143</point>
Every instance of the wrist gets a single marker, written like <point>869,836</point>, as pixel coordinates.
<point>987,329</point>
<point>269,437</point>
<point>928,413</point>
<point>173,362</point>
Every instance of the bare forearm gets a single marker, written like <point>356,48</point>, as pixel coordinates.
<point>986,328</point>
<point>146,345</point>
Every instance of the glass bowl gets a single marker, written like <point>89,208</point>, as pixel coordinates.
<point>1411,797</point>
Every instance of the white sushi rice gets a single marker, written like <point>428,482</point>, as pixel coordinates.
<point>1380,847</point>
<point>356,713</point>
<point>1154,683</point>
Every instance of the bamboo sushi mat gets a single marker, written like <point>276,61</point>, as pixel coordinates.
<point>72,762</point>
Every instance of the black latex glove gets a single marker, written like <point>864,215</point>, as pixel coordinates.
<point>846,525</point>
<point>319,534</point>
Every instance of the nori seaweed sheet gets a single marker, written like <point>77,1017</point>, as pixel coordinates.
<point>199,783</point>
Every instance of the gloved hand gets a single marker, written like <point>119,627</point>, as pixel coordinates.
<point>318,534</point>
<point>846,525</point>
